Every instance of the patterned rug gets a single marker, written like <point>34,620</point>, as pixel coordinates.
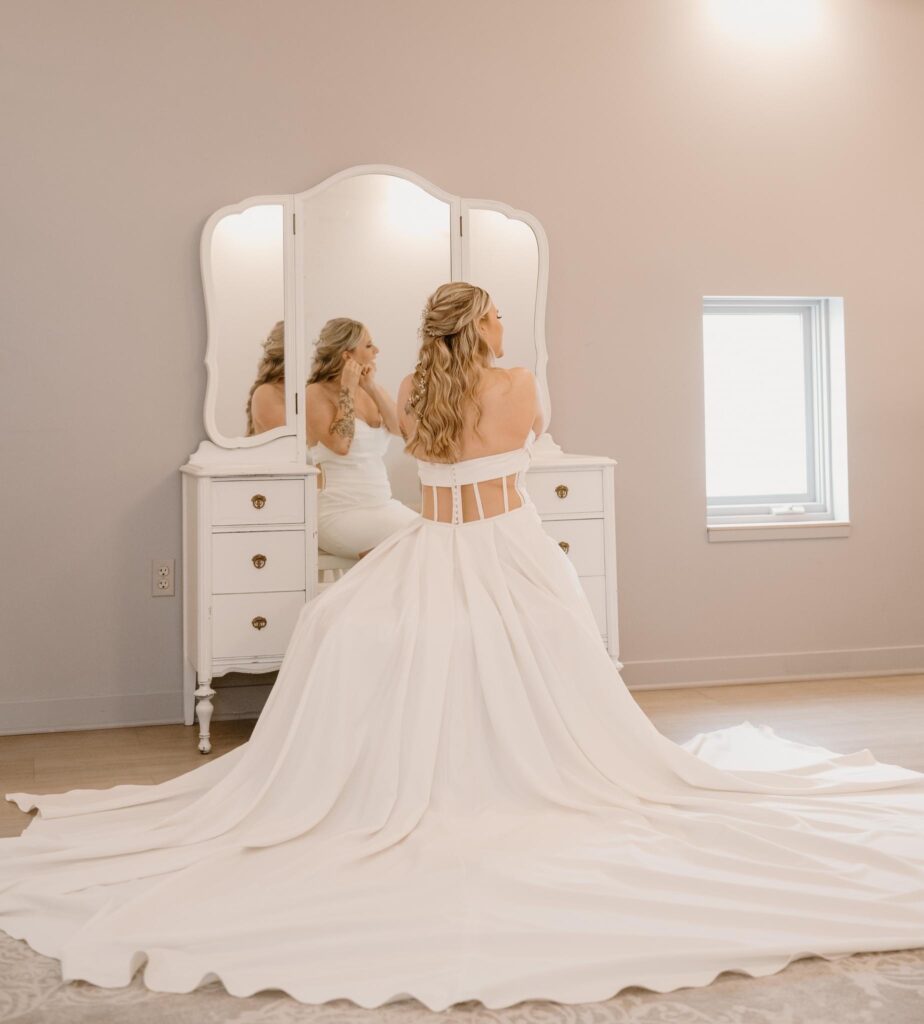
<point>867,988</point>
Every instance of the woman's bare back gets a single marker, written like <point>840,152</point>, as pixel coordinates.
<point>510,407</point>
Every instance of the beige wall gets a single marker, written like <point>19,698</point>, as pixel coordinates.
<point>665,163</point>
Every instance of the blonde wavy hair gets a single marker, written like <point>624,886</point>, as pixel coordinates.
<point>272,366</point>
<point>452,353</point>
<point>336,337</point>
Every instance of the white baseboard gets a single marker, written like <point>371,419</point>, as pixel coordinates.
<point>245,700</point>
<point>68,714</point>
<point>111,711</point>
<point>676,673</point>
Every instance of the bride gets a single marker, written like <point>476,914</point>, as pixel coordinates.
<point>450,793</point>
<point>343,401</point>
<point>356,509</point>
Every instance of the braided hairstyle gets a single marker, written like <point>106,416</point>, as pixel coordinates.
<point>452,354</point>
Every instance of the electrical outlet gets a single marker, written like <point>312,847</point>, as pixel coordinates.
<point>162,573</point>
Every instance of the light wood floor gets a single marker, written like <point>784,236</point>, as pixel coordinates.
<point>884,713</point>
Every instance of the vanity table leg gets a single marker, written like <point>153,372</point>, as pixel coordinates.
<point>189,696</point>
<point>204,709</point>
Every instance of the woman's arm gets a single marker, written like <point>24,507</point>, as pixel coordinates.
<point>344,421</point>
<point>384,402</point>
<point>386,407</point>
<point>405,422</point>
<point>332,421</point>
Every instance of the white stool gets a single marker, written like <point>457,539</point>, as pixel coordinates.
<point>332,567</point>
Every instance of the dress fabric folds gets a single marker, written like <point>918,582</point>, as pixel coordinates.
<point>451,795</point>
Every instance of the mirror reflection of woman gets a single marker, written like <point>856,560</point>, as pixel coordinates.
<point>266,403</point>
<point>351,420</point>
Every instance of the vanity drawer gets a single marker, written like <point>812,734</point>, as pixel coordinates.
<point>582,490</point>
<point>257,562</point>
<point>595,589</point>
<point>584,538</point>
<point>236,618</point>
<point>244,502</point>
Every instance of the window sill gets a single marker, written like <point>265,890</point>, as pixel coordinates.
<point>777,531</point>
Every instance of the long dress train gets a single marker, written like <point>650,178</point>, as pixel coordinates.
<point>450,794</point>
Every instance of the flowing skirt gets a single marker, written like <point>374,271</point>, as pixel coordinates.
<point>450,794</point>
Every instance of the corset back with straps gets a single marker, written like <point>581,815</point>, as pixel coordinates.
<point>503,472</point>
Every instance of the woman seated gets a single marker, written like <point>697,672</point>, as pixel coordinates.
<point>350,421</point>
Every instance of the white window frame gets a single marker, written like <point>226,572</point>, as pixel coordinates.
<point>821,511</point>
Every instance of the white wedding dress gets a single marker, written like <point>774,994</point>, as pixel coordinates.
<point>356,510</point>
<point>450,794</point>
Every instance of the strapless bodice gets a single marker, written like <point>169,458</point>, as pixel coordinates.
<point>358,478</point>
<point>368,442</point>
<point>483,467</point>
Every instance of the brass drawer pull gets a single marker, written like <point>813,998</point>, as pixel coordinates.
<point>258,623</point>
<point>258,500</point>
<point>258,561</point>
<point>562,490</point>
<point>565,546</point>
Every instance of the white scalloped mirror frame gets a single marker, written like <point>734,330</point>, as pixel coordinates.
<point>280,444</point>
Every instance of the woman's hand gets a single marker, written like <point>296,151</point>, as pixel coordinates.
<point>350,373</point>
<point>367,378</point>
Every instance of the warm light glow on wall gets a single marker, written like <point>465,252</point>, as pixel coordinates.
<point>768,21</point>
<point>413,211</point>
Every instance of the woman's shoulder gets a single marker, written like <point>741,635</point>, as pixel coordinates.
<point>509,382</point>
<point>268,394</point>
<point>514,374</point>
<point>267,407</point>
<point>497,372</point>
<point>319,395</point>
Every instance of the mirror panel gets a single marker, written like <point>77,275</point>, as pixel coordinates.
<point>247,298</point>
<point>372,247</point>
<point>503,258</point>
<point>371,243</point>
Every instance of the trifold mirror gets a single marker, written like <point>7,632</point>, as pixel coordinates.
<point>370,243</point>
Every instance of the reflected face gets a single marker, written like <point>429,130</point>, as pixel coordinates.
<point>366,350</point>
<point>492,330</point>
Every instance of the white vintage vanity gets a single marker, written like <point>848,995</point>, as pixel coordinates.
<point>371,243</point>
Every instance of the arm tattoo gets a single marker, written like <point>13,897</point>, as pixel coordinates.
<point>344,423</point>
